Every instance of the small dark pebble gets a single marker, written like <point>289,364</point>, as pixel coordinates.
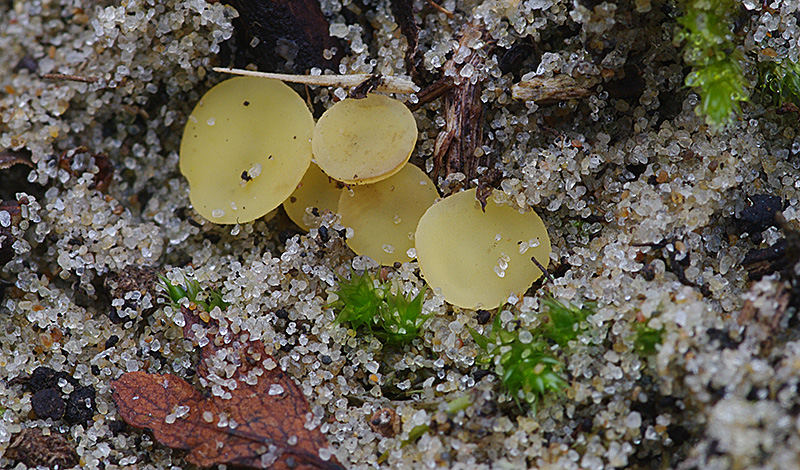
<point>112,341</point>
<point>212,237</point>
<point>285,235</point>
<point>480,373</point>
<point>484,316</point>
<point>3,286</point>
<point>723,337</point>
<point>45,377</point>
<point>47,403</point>
<point>282,313</point>
<point>27,63</point>
<point>326,359</point>
<point>117,426</point>
<point>761,213</point>
<point>80,405</point>
<point>113,316</point>
<point>678,434</point>
<point>323,233</point>
<point>95,369</point>
<point>648,272</point>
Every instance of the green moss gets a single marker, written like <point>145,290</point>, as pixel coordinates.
<point>391,317</point>
<point>780,82</point>
<point>647,338</point>
<point>524,360</point>
<point>206,299</point>
<point>710,49</point>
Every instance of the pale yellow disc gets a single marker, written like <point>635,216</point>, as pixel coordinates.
<point>384,215</point>
<point>362,141</point>
<point>245,147</point>
<point>478,259</point>
<point>315,190</point>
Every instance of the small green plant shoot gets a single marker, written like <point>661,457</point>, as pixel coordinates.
<point>709,48</point>
<point>647,338</point>
<point>780,82</point>
<point>205,299</point>
<point>391,317</point>
<point>524,359</point>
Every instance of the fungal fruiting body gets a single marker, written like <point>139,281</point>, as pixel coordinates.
<point>384,215</point>
<point>245,147</point>
<point>316,189</point>
<point>362,141</point>
<point>478,259</point>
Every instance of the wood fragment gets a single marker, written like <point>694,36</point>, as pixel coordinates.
<point>403,13</point>
<point>35,449</point>
<point>105,171</point>
<point>440,8</point>
<point>290,35</point>
<point>366,87</point>
<point>388,85</point>
<point>546,90</point>
<point>542,269</point>
<point>456,147</point>
<point>69,77</point>
<point>9,158</point>
<point>431,92</point>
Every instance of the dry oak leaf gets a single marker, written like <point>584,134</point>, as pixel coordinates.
<point>259,422</point>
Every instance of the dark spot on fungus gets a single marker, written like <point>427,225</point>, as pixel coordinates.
<point>270,157</point>
<point>246,103</point>
<point>246,176</point>
<point>292,199</point>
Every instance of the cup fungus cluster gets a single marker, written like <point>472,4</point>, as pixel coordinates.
<point>248,147</point>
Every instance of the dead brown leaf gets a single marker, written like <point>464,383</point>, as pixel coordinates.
<point>260,422</point>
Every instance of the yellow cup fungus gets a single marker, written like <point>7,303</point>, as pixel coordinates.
<point>316,189</point>
<point>478,259</point>
<point>362,141</point>
<point>245,147</point>
<point>384,215</point>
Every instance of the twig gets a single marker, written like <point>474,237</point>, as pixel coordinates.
<point>68,77</point>
<point>388,85</point>
<point>440,8</point>
<point>542,269</point>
